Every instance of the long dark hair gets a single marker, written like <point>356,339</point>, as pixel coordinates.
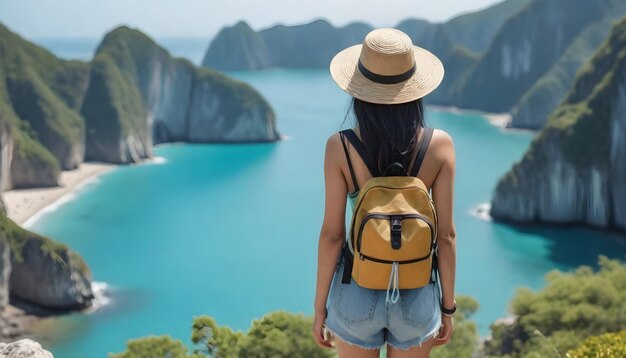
<point>389,132</point>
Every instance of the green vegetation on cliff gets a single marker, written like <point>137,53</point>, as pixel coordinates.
<point>44,92</point>
<point>113,106</point>
<point>528,44</point>
<point>586,113</point>
<point>549,91</point>
<point>575,168</point>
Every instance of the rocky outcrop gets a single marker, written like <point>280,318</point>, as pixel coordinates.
<point>5,272</point>
<point>61,276</point>
<point>24,348</point>
<point>139,94</point>
<point>43,272</point>
<point>575,169</point>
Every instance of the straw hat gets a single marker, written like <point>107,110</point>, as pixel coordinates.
<point>387,68</point>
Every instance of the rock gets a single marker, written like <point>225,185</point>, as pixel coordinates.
<point>43,272</point>
<point>24,348</point>
<point>49,275</point>
<point>575,169</point>
<point>5,271</point>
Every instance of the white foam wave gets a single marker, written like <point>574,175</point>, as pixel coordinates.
<point>154,160</point>
<point>481,211</point>
<point>100,292</point>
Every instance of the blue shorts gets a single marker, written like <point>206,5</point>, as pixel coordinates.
<point>361,317</point>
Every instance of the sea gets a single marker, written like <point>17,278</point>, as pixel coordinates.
<point>231,230</point>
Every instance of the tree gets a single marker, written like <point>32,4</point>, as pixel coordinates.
<point>155,346</point>
<point>607,345</point>
<point>571,307</point>
<point>281,334</point>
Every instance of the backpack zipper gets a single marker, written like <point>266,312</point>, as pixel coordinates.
<point>392,217</point>
<point>358,206</point>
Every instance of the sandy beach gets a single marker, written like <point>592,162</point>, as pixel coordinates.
<point>23,204</point>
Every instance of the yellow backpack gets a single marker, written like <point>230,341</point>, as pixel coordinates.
<point>393,234</point>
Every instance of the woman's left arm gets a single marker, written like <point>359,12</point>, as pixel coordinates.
<point>333,231</point>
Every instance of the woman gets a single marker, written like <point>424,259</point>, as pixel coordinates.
<point>387,77</point>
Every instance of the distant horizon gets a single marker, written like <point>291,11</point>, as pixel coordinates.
<point>80,23</point>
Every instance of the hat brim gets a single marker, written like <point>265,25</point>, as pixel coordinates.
<point>428,75</point>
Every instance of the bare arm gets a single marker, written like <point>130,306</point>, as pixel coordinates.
<point>443,189</point>
<point>332,234</point>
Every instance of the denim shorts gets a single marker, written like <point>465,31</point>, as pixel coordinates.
<point>361,316</point>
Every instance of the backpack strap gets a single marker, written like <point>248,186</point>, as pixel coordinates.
<point>428,133</point>
<point>345,150</point>
<point>363,153</point>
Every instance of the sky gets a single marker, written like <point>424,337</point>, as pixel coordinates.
<point>204,18</point>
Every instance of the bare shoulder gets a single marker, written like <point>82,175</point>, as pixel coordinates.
<point>443,144</point>
<point>334,140</point>
<point>333,147</point>
<point>442,137</point>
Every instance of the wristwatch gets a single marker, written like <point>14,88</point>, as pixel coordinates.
<point>448,312</point>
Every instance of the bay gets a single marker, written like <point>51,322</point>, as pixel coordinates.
<point>231,230</point>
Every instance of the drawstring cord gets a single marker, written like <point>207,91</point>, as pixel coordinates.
<point>393,281</point>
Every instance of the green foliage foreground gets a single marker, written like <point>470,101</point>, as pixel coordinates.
<point>570,308</point>
<point>577,314</point>
<point>278,334</point>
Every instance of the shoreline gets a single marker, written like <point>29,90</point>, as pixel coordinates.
<point>500,120</point>
<point>23,206</point>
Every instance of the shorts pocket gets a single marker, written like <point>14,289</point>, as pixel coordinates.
<point>418,305</point>
<point>355,303</point>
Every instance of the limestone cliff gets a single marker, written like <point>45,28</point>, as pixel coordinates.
<point>575,169</point>
<point>526,47</point>
<point>139,94</point>
<point>41,271</point>
<point>314,44</point>
<point>43,93</point>
<point>54,114</point>
<point>237,47</point>
<point>309,45</point>
<point>546,94</point>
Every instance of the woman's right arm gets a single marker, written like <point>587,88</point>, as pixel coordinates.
<point>442,191</point>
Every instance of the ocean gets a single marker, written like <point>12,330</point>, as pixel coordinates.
<point>231,231</point>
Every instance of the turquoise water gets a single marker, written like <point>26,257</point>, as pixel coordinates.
<point>231,230</point>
